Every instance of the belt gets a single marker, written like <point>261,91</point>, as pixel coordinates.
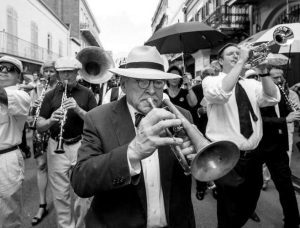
<point>69,141</point>
<point>8,149</point>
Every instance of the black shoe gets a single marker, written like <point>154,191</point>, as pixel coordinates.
<point>36,220</point>
<point>265,185</point>
<point>200,194</point>
<point>255,217</point>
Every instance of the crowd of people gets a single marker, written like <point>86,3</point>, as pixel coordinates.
<point>117,153</point>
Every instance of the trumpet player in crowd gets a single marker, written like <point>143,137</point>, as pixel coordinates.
<point>68,101</point>
<point>233,114</point>
<point>125,161</point>
<point>14,108</point>
<point>274,147</point>
<point>40,139</point>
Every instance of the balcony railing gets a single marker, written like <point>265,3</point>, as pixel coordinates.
<point>90,33</point>
<point>13,45</point>
<point>227,17</point>
<point>293,17</point>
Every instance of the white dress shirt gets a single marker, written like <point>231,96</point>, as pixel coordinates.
<point>107,95</point>
<point>156,215</point>
<point>222,111</point>
<point>13,117</point>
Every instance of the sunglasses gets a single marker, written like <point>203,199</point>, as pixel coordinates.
<point>9,69</point>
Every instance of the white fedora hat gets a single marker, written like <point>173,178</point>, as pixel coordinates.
<point>144,62</point>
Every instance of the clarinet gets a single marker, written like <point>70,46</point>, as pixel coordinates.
<point>60,144</point>
<point>291,105</point>
<point>38,108</point>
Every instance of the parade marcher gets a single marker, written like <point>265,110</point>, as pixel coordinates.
<point>113,94</point>
<point>216,66</point>
<point>135,179</point>
<point>40,142</point>
<point>273,150</point>
<point>14,108</point>
<point>234,115</point>
<point>69,101</point>
<point>95,88</point>
<point>183,97</point>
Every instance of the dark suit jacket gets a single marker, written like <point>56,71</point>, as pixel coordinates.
<point>102,171</point>
<point>275,134</point>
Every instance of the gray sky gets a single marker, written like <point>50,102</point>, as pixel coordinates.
<point>124,24</point>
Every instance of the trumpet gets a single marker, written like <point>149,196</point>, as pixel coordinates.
<point>282,36</point>
<point>38,108</point>
<point>291,105</point>
<point>213,159</point>
<point>60,144</point>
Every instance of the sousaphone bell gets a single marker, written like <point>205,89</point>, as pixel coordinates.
<point>95,64</point>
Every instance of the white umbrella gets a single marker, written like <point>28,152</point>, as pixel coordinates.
<point>277,59</point>
<point>267,35</point>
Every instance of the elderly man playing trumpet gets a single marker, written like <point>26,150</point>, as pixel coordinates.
<point>128,166</point>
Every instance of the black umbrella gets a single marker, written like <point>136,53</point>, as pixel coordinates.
<point>185,37</point>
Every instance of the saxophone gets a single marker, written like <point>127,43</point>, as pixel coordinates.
<point>60,144</point>
<point>291,105</point>
<point>38,108</point>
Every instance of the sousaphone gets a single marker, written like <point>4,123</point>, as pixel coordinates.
<point>95,64</point>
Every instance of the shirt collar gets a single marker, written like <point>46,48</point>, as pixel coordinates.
<point>14,87</point>
<point>132,111</point>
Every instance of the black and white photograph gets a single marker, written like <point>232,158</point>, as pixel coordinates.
<point>150,113</point>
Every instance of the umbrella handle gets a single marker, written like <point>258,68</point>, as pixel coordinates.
<point>183,69</point>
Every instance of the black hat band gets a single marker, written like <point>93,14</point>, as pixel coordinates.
<point>150,65</point>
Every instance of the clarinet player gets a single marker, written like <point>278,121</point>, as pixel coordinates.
<point>274,147</point>
<point>40,142</point>
<point>78,101</point>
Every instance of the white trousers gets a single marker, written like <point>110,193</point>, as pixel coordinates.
<point>59,170</point>
<point>11,180</point>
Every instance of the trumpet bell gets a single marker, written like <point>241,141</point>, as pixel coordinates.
<point>95,64</point>
<point>215,160</point>
<point>283,35</point>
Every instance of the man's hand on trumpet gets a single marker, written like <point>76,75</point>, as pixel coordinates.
<point>188,149</point>
<point>151,135</point>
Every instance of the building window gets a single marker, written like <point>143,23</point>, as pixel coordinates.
<point>60,48</point>
<point>207,9</point>
<point>49,42</point>
<point>34,40</point>
<point>12,30</point>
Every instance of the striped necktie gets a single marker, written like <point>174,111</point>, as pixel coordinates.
<point>138,118</point>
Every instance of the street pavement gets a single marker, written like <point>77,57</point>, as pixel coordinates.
<point>268,209</point>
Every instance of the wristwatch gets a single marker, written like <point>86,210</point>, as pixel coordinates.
<point>264,75</point>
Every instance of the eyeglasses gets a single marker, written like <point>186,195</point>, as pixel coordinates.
<point>144,84</point>
<point>9,69</point>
